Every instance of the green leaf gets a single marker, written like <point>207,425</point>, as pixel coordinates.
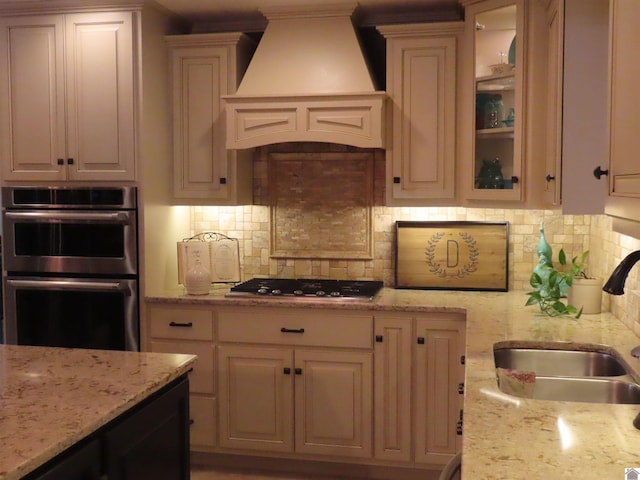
<point>562,257</point>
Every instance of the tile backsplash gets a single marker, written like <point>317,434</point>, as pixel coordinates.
<point>574,233</point>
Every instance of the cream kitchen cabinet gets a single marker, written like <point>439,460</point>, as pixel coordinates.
<point>623,201</point>
<point>502,134</point>
<point>421,84</point>
<point>190,330</point>
<point>204,67</point>
<point>67,96</point>
<point>434,345</point>
<point>296,383</point>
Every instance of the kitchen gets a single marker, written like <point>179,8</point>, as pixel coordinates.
<point>167,221</point>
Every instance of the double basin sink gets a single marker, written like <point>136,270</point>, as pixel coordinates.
<point>557,373</point>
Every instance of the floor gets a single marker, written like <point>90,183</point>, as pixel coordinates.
<point>208,473</point>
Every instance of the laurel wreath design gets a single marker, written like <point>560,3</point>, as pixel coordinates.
<point>437,269</point>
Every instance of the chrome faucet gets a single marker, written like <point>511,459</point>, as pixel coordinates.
<point>615,284</point>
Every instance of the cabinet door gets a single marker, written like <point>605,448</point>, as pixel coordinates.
<point>100,96</point>
<point>421,83</point>
<point>152,442</point>
<point>201,160</point>
<point>553,158</point>
<point>32,122</point>
<point>333,409</point>
<point>83,463</point>
<point>392,390</point>
<point>256,398</point>
<point>624,168</point>
<point>440,344</point>
<point>496,31</point>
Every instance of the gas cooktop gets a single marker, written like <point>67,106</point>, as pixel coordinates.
<point>308,288</point>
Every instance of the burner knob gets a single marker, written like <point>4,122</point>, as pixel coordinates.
<point>335,293</point>
<point>263,291</point>
<point>320,293</point>
<point>276,291</point>
<point>298,292</point>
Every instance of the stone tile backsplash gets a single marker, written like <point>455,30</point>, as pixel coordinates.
<point>574,233</point>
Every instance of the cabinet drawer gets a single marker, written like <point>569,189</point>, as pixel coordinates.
<point>202,411</point>
<point>328,328</point>
<point>181,323</point>
<point>201,378</point>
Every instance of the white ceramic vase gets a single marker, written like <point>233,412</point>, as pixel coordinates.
<point>197,281</point>
<point>586,293</point>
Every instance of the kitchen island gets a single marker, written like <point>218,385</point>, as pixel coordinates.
<point>52,399</point>
<point>507,437</point>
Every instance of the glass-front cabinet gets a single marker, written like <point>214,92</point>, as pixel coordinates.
<point>494,29</point>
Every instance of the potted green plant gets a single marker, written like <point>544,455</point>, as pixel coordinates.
<point>583,290</point>
<point>551,285</point>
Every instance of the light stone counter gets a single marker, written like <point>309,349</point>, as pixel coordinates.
<point>50,398</point>
<point>506,437</point>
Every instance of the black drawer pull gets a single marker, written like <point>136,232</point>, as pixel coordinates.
<point>287,371</point>
<point>420,340</point>
<point>191,421</point>
<point>292,330</point>
<point>379,338</point>
<point>179,324</point>
<point>298,371</point>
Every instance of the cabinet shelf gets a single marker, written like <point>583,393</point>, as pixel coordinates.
<point>501,132</point>
<point>496,83</point>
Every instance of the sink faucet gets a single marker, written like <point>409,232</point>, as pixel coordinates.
<point>615,284</point>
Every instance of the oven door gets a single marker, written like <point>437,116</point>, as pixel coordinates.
<point>76,313</point>
<point>63,241</point>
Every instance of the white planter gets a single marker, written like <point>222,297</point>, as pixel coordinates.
<point>586,293</point>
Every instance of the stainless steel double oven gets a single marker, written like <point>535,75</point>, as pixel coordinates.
<point>70,267</point>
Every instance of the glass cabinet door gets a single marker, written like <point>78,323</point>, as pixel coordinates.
<point>498,123</point>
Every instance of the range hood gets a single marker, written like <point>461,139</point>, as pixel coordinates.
<point>308,81</point>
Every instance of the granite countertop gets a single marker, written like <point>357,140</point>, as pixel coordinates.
<point>50,398</point>
<point>507,437</point>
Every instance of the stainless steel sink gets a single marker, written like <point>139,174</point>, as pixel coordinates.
<point>565,375</point>
<point>586,389</point>
<point>559,363</point>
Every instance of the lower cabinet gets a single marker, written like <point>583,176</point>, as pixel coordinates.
<point>352,386</point>
<point>152,441</point>
<point>296,386</point>
<point>189,330</point>
<point>418,362</point>
<point>295,400</point>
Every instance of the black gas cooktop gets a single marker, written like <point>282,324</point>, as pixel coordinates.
<point>308,288</point>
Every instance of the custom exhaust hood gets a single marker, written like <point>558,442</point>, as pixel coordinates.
<point>308,81</point>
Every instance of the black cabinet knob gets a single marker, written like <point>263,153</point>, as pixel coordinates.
<point>69,161</point>
<point>515,179</point>
<point>550,177</point>
<point>223,181</point>
<point>396,179</point>
<point>61,161</point>
<point>598,172</point>
<point>420,340</point>
<point>379,338</point>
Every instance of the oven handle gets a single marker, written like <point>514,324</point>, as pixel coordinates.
<point>91,216</point>
<point>72,285</point>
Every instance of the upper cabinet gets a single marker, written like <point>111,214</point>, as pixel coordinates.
<point>496,29</point>
<point>67,99</point>
<point>623,202</point>
<point>421,84</point>
<point>577,98</point>
<point>502,135</point>
<point>204,67</point>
